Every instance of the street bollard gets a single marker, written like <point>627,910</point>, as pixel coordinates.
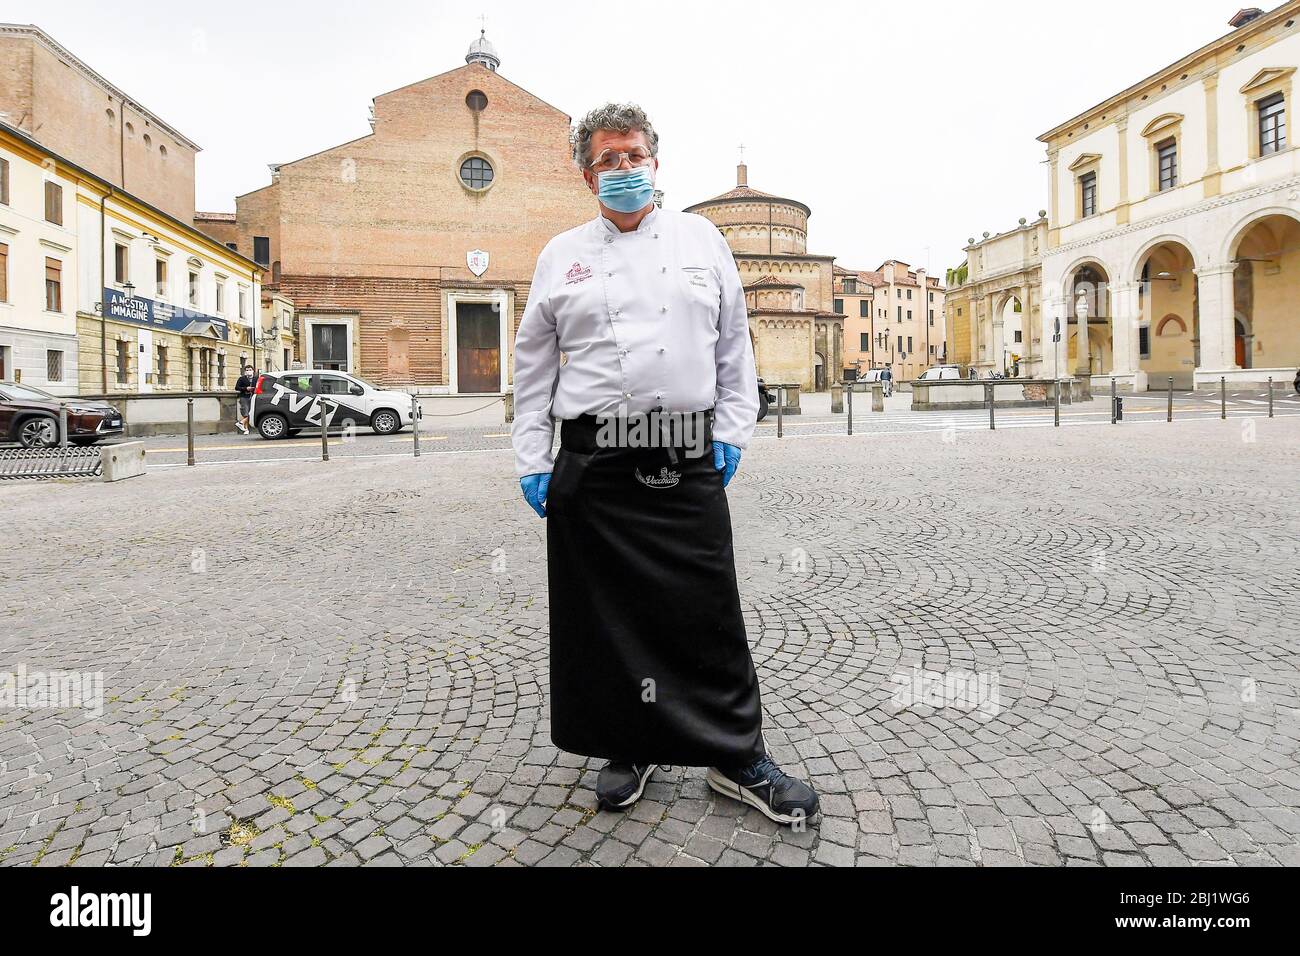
<point>1270,396</point>
<point>780,411</point>
<point>415,424</point>
<point>851,389</point>
<point>993,425</point>
<point>1057,402</point>
<point>63,424</point>
<point>1223,398</point>
<point>324,432</point>
<point>189,432</point>
<point>1171,400</point>
<point>1114,403</point>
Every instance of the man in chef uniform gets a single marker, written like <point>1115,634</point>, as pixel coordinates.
<point>657,397</point>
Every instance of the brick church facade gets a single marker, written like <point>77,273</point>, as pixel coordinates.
<point>408,253</point>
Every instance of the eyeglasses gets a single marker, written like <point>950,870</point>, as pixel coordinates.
<point>610,159</point>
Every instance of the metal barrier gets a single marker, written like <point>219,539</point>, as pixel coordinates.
<point>69,462</point>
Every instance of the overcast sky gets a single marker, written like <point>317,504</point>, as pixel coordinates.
<point>907,127</point>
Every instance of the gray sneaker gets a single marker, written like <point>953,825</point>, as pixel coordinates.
<point>621,785</point>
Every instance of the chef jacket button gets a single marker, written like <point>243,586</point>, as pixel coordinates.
<point>664,309</point>
<point>662,351</point>
<point>665,268</point>
<point>609,238</point>
<point>627,394</point>
<point>656,235</point>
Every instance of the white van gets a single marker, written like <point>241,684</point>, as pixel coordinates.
<point>287,402</point>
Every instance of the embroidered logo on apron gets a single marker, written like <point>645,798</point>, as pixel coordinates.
<point>665,479</point>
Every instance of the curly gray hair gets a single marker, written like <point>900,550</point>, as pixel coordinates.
<point>616,118</point>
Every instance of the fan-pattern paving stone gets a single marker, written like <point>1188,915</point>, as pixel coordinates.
<point>346,664</point>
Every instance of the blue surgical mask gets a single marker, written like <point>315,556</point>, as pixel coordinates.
<point>627,190</point>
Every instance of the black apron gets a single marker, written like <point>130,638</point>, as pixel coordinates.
<point>649,658</point>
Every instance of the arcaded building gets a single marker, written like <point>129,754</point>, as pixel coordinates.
<point>407,254</point>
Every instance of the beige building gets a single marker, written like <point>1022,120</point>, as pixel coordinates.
<point>53,97</point>
<point>893,318</point>
<point>407,254</point>
<point>798,336</point>
<point>993,315</point>
<point>1173,247</point>
<point>115,295</point>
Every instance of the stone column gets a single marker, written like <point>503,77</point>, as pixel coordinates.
<point>999,341</point>
<point>1055,354</point>
<point>1217,317</point>
<point>1082,347</point>
<point>1027,355</point>
<point>1126,347</point>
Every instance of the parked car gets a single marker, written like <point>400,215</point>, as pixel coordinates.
<point>941,373</point>
<point>766,399</point>
<point>30,417</point>
<point>285,403</point>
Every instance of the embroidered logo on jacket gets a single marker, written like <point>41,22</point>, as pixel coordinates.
<point>577,274</point>
<point>665,479</point>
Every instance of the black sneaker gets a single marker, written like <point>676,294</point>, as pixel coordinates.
<point>621,784</point>
<point>767,787</point>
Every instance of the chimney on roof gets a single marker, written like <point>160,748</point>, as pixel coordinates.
<point>1245,16</point>
<point>742,175</point>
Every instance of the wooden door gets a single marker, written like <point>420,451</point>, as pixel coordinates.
<point>478,348</point>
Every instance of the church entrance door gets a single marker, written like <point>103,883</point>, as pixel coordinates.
<point>478,348</point>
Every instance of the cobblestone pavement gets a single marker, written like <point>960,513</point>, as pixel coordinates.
<point>346,663</point>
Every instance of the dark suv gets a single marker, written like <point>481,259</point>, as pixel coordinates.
<point>30,417</point>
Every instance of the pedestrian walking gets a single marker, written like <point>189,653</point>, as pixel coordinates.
<point>650,663</point>
<point>244,388</point>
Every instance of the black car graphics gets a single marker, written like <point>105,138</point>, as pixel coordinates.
<point>303,409</point>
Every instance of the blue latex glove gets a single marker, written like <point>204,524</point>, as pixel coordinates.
<point>535,489</point>
<point>726,459</point>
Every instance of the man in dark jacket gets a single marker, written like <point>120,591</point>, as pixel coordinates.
<point>245,388</point>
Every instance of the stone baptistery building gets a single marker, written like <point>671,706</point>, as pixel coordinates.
<point>798,337</point>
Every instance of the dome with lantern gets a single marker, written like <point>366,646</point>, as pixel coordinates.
<point>482,51</point>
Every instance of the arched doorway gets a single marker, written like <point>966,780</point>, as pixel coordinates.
<point>1013,336</point>
<point>1091,344</point>
<point>819,373</point>
<point>1168,315</point>
<point>1266,289</point>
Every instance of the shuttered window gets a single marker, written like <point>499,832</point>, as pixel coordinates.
<point>4,272</point>
<point>53,285</point>
<point>54,203</point>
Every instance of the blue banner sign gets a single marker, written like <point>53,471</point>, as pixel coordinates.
<point>158,315</point>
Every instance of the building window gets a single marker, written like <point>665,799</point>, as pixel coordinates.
<point>864,342</point>
<point>932,316</point>
<point>476,101</point>
<point>900,344</point>
<point>4,182</point>
<point>476,173</point>
<point>123,361</point>
<point>1272,124</point>
<point>262,250</point>
<point>221,298</point>
<point>909,345</point>
<point>1020,336</point>
<point>160,278</point>
<point>909,295</point>
<point>1088,194</point>
<point>900,313</point>
<point>53,203</point>
<point>243,304</point>
<point>909,315</point>
<point>194,289</point>
<point>1167,156</point>
<point>1144,341</point>
<point>850,286</point>
<point>864,309</point>
<point>221,370</point>
<point>839,306</point>
<point>53,285</point>
<point>121,264</point>
<point>53,365</point>
<point>931,296</point>
<point>160,364</point>
<point>4,272</point>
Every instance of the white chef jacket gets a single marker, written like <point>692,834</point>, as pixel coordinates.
<point>646,319</point>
